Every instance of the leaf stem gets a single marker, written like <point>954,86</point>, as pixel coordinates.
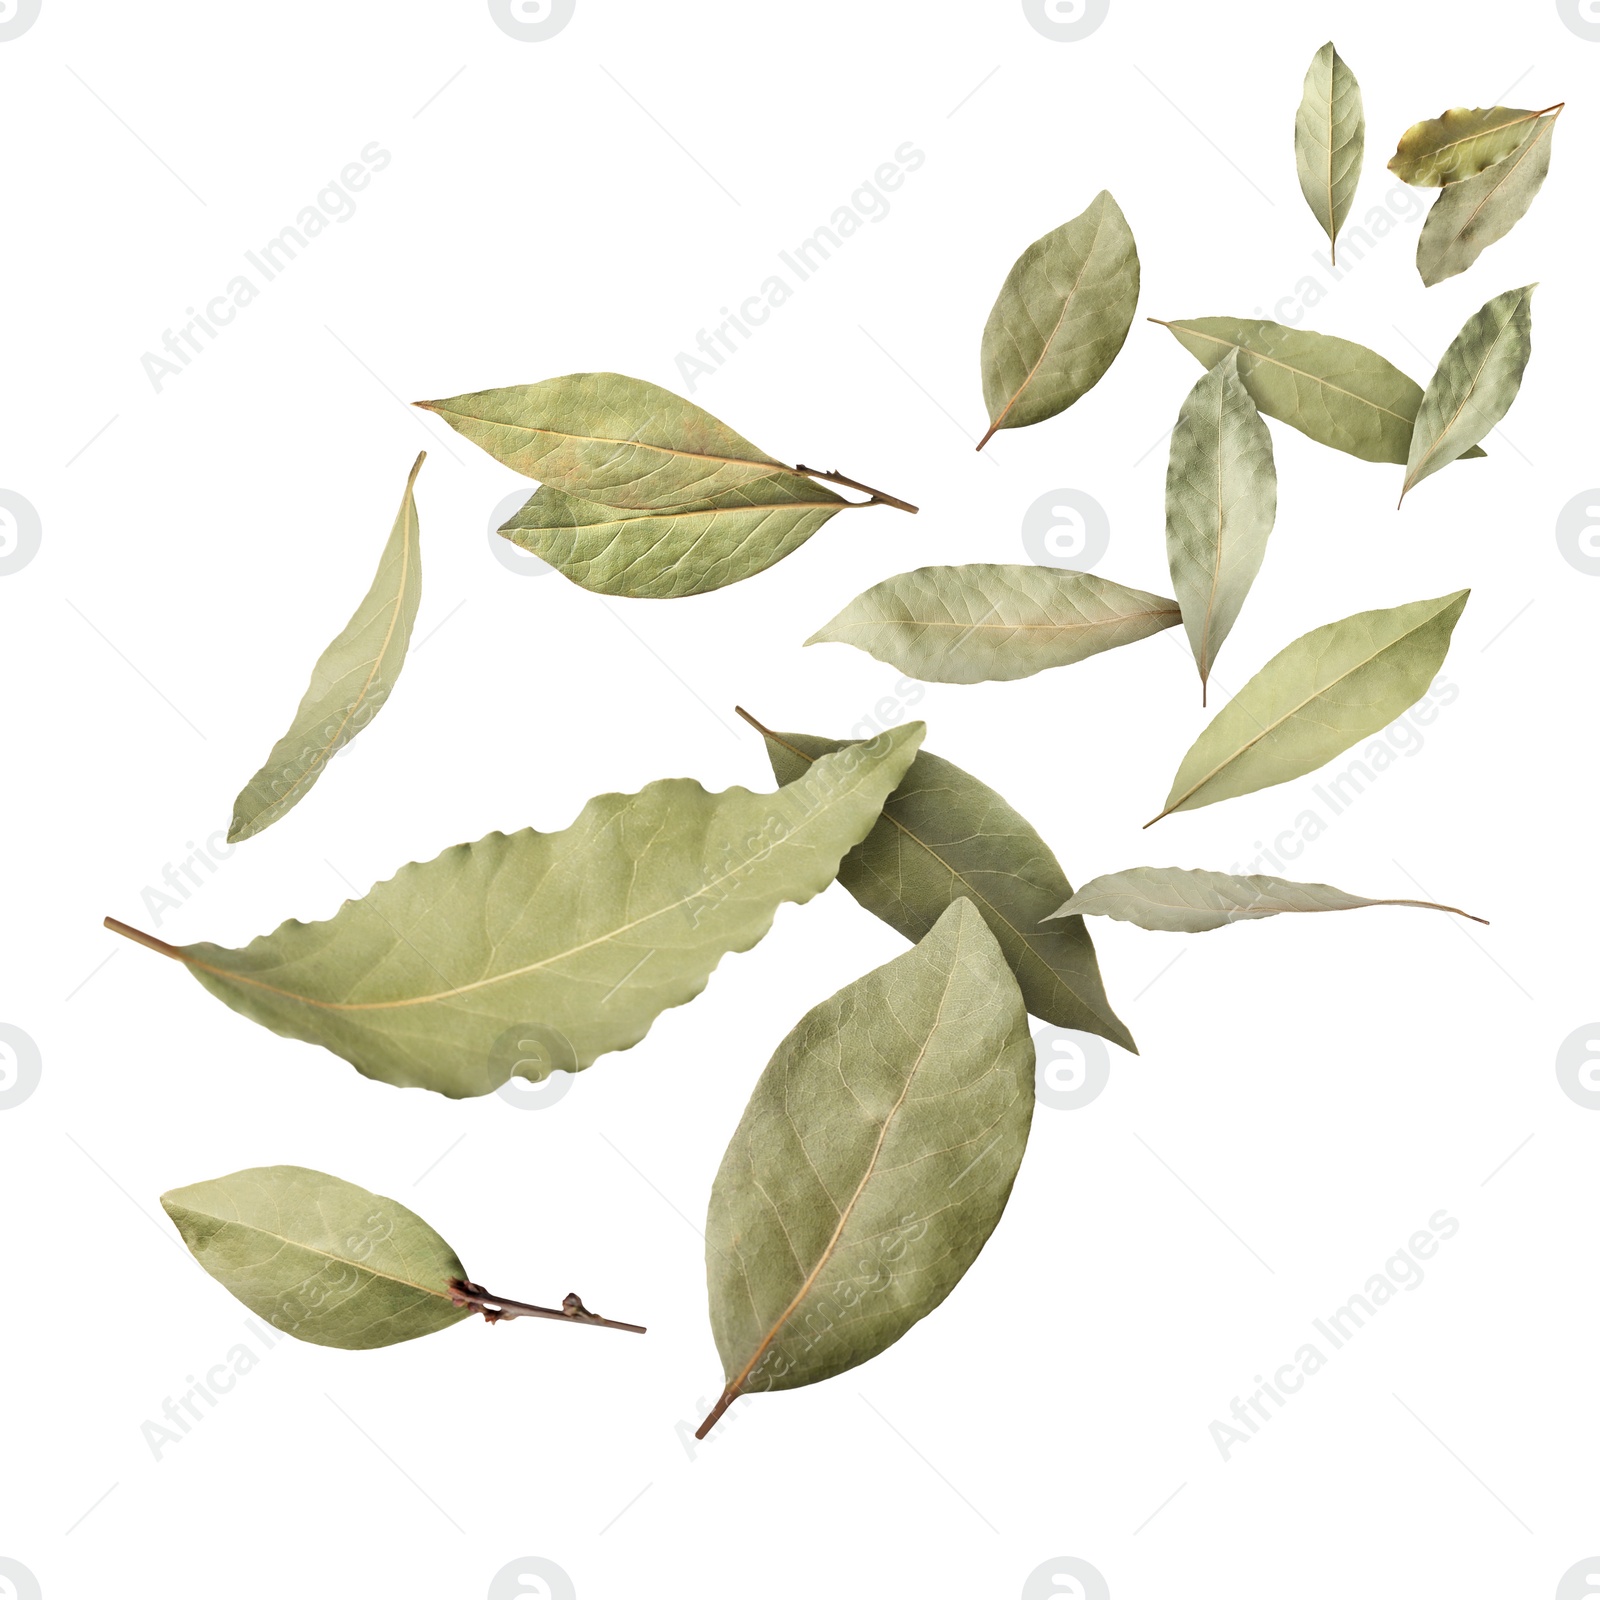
<point>148,940</point>
<point>729,1395</point>
<point>879,498</point>
<point>496,1309</point>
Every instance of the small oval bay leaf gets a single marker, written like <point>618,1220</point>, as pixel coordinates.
<point>349,684</point>
<point>985,622</point>
<point>318,1257</point>
<point>1318,696</point>
<point>1476,381</point>
<point>945,835</point>
<point>872,1163</point>
<point>1191,900</point>
<point>439,977</point>
<point>1222,499</point>
<point>1329,137</point>
<point>1062,315</point>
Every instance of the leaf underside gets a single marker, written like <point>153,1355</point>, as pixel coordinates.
<point>1329,137</point>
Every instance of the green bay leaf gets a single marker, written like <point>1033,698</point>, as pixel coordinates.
<point>985,622</point>
<point>532,952</point>
<point>1476,381</point>
<point>1318,696</point>
<point>944,836</point>
<point>1062,315</point>
<point>675,551</point>
<point>1334,391</point>
<point>1222,498</point>
<point>349,684</point>
<point>320,1258</point>
<point>872,1163</point>
<point>1187,900</point>
<point>1329,137</point>
<point>1471,215</point>
<point>1459,144</point>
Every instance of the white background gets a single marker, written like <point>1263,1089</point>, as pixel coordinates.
<point>1310,1090</point>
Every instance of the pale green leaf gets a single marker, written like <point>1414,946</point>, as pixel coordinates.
<point>943,836</point>
<point>663,554</point>
<point>872,1163</point>
<point>1459,144</point>
<point>1329,136</point>
<point>977,623</point>
<point>349,684</point>
<point>1471,215</point>
<point>1061,317</point>
<point>1183,900</point>
<point>1222,497</point>
<point>1477,379</point>
<point>1338,393</point>
<point>1325,692</point>
<point>318,1257</point>
<point>531,951</point>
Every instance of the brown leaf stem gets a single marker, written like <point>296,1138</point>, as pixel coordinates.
<point>495,1308</point>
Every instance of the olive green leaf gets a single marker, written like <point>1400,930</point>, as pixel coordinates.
<point>944,836</point>
<point>1329,689</point>
<point>349,684</point>
<point>1330,133</point>
<point>1062,315</point>
<point>1477,379</point>
<point>1471,215</point>
<point>320,1258</point>
<point>679,550</point>
<point>872,1163</point>
<point>1338,393</point>
<point>1222,497</point>
<point>982,622</point>
<point>530,952</point>
<point>620,441</point>
<point>1459,144</point>
<point>1181,900</point>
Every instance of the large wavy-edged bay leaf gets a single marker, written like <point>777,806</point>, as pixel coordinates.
<point>1329,689</point>
<point>1190,900</point>
<point>1471,215</point>
<point>439,977</point>
<point>1222,497</point>
<point>872,1163</point>
<point>1476,381</point>
<point>678,550</point>
<point>945,835</point>
<point>609,438</point>
<point>318,1257</point>
<point>1459,144</point>
<point>1061,317</point>
<point>349,684</point>
<point>1329,136</point>
<point>981,622</point>
<point>1339,393</point>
